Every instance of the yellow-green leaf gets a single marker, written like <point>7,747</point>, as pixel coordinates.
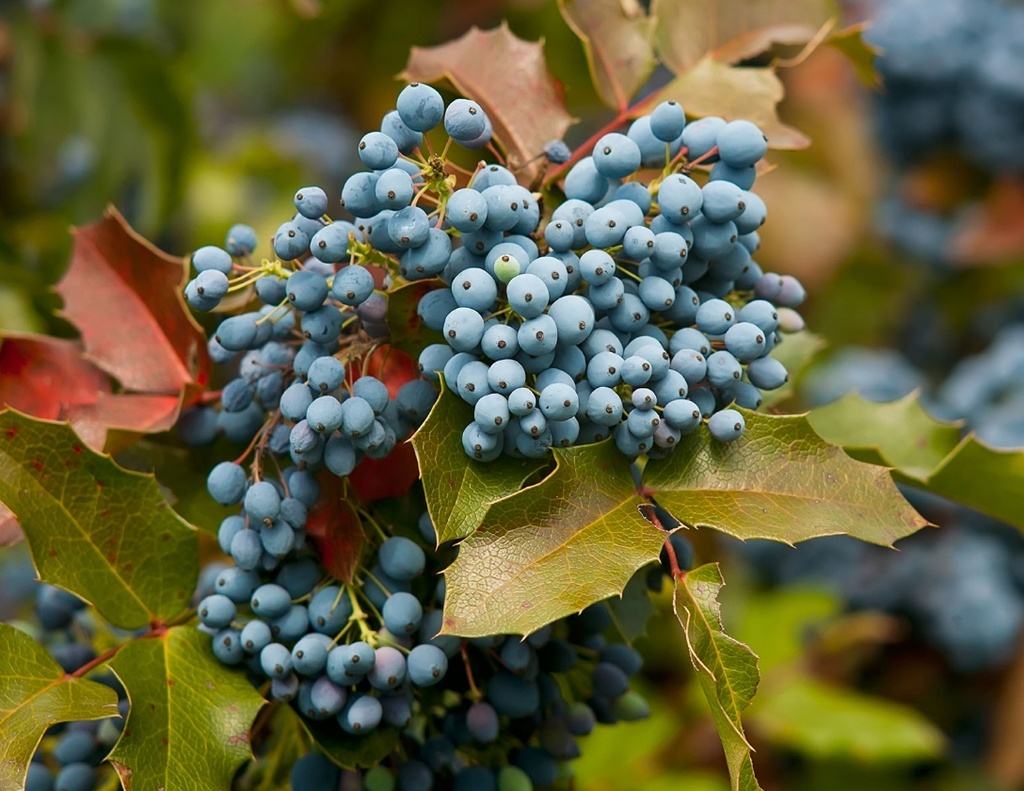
<point>903,434</point>
<point>34,694</point>
<point>711,87</point>
<point>458,489</point>
<point>105,534</point>
<point>780,480</point>
<point>726,669</point>
<point>927,453</point>
<point>188,725</point>
<point>983,478</point>
<point>552,549</point>
<point>618,38</point>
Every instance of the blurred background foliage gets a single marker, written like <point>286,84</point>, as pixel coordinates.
<point>190,116</point>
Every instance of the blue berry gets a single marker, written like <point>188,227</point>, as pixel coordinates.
<point>727,425</point>
<point>420,107</point>
<point>464,120</point>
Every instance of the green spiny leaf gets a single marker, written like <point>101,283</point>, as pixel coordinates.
<point>983,478</point>
<point>94,528</point>
<point>901,432</point>
<point>633,609</point>
<point>927,453</point>
<point>780,480</point>
<point>726,669</point>
<point>352,752</point>
<point>188,726</point>
<point>458,489</point>
<point>34,694</point>
<point>552,549</point>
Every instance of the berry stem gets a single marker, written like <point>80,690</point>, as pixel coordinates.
<point>474,691</point>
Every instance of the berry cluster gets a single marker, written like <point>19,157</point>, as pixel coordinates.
<point>954,84</point>
<point>636,312</point>
<point>954,79</point>
<point>366,655</point>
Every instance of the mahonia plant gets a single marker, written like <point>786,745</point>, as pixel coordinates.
<point>507,372</point>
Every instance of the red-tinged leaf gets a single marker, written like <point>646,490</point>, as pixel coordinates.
<point>618,37</point>
<point>44,377</point>
<point>993,233</point>
<point>392,366</point>
<point>508,77</point>
<point>124,296</point>
<point>391,477</point>
<point>115,420</point>
<point>336,529</point>
<point>10,530</point>
<point>50,378</point>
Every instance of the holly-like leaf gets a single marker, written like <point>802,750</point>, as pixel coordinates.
<point>51,378</point>
<point>106,534</point>
<point>188,725</point>
<point>618,37</point>
<point>352,752</point>
<point>633,609</point>
<point>733,30</point>
<point>458,489</point>
<point>900,433</point>
<point>34,694</point>
<point>711,87</point>
<point>45,377</point>
<point>553,548</point>
<point>986,479</point>
<point>796,354</point>
<point>927,453</point>
<point>408,332</point>
<point>726,669</point>
<point>826,722</point>
<point>335,527</point>
<point>503,74</point>
<point>780,480</point>
<point>124,296</point>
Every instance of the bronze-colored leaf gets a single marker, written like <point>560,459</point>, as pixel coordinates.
<point>508,77</point>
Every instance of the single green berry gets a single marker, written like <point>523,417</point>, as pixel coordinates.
<point>507,267</point>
